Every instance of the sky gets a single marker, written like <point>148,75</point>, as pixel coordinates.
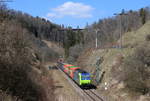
<point>75,12</point>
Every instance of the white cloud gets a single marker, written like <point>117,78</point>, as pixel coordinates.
<point>51,15</point>
<point>74,9</point>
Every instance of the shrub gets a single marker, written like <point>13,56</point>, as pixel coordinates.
<point>15,60</point>
<point>42,51</point>
<point>74,53</point>
<point>6,97</point>
<point>136,69</point>
<point>148,37</point>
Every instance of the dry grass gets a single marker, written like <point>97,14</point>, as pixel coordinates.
<point>132,39</point>
<point>5,97</point>
<point>63,90</point>
<point>55,47</point>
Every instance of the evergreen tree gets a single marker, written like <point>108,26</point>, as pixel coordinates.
<point>143,15</point>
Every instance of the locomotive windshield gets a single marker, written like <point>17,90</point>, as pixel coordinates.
<point>85,76</point>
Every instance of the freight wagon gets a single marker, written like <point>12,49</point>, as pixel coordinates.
<point>81,77</point>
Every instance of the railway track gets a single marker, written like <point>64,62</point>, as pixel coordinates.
<point>93,96</point>
<point>87,95</point>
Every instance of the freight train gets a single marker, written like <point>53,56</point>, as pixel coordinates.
<point>79,76</point>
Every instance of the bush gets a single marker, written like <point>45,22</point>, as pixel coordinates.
<point>42,51</point>
<point>16,73</point>
<point>136,69</point>
<point>6,97</point>
<point>148,37</point>
<point>74,53</point>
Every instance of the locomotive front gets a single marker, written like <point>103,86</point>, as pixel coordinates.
<point>85,78</point>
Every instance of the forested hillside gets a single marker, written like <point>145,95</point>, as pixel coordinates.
<point>109,29</point>
<point>124,72</point>
<point>42,28</point>
<point>24,50</point>
<point>22,54</point>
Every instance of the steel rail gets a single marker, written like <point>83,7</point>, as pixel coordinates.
<point>87,95</point>
<point>94,95</point>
